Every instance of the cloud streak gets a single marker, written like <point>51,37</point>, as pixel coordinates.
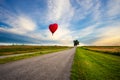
<point>113,8</point>
<point>59,10</point>
<point>108,36</point>
<point>94,22</point>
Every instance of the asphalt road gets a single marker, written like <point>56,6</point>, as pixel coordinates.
<point>54,66</point>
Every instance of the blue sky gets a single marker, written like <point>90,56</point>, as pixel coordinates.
<point>92,22</point>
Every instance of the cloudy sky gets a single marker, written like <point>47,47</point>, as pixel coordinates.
<point>92,22</point>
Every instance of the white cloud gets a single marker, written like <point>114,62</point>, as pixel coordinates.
<point>81,10</point>
<point>85,31</point>
<point>83,4</point>
<point>109,35</point>
<point>104,35</point>
<point>97,11</point>
<point>21,25</point>
<point>113,8</point>
<point>6,16</point>
<point>64,12</point>
<point>62,35</point>
<point>26,23</point>
<point>59,10</point>
<point>88,7</point>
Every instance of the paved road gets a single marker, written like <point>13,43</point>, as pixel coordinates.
<point>54,66</point>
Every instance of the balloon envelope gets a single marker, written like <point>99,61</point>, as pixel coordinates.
<point>53,27</point>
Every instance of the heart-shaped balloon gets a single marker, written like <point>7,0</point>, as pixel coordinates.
<point>53,27</point>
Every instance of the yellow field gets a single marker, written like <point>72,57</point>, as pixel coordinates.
<point>105,49</point>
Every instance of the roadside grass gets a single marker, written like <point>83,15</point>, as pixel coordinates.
<point>115,50</point>
<point>90,65</point>
<point>18,49</point>
<point>15,58</point>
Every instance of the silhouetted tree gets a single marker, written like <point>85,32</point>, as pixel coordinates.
<point>76,42</point>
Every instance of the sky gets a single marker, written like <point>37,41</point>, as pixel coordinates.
<point>92,22</point>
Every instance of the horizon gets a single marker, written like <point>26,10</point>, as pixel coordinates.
<point>92,22</point>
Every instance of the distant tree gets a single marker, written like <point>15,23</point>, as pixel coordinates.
<point>13,44</point>
<point>22,44</point>
<point>76,42</point>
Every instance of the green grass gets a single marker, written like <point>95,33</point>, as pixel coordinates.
<point>89,65</point>
<point>15,58</point>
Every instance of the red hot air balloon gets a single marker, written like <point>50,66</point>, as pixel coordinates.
<point>53,27</point>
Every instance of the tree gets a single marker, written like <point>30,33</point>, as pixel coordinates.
<point>76,42</point>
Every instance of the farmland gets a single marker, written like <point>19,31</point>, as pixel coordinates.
<point>18,49</point>
<point>92,65</point>
<point>33,50</point>
<point>115,50</point>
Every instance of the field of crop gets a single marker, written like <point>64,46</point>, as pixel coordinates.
<point>91,65</point>
<point>106,49</point>
<point>25,50</point>
<point>17,49</point>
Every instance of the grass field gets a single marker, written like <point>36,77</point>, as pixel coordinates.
<point>5,50</point>
<point>18,49</point>
<point>115,50</point>
<point>90,65</point>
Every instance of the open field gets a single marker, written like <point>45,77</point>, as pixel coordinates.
<point>106,49</point>
<point>91,65</point>
<point>18,49</point>
<point>38,50</point>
